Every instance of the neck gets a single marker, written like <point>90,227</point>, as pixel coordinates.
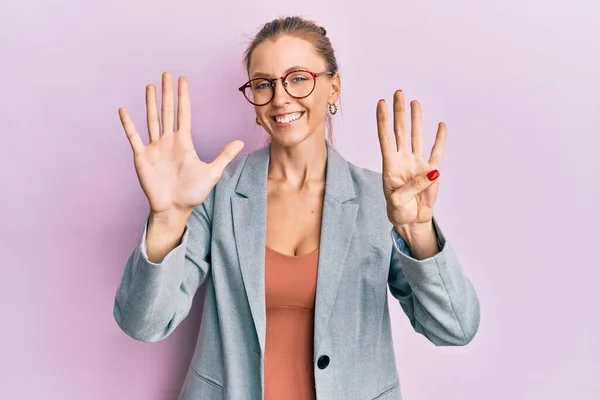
<point>299,164</point>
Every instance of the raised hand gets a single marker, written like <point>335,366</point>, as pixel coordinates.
<point>410,183</point>
<point>171,175</point>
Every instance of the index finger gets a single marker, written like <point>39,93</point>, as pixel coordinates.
<point>435,157</point>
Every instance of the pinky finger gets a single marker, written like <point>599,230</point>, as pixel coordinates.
<point>435,157</point>
<point>132,135</point>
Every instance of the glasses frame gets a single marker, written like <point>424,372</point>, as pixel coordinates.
<point>283,82</point>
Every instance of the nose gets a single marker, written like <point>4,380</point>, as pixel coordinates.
<point>280,97</point>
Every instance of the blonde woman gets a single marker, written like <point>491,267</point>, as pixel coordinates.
<point>296,245</point>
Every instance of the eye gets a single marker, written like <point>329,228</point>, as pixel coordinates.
<point>299,78</point>
<point>261,84</point>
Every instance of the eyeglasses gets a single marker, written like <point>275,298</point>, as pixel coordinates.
<point>298,84</point>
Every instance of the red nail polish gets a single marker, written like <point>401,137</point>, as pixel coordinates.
<point>433,175</point>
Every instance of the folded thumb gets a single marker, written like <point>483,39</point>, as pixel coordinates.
<point>422,182</point>
<point>410,189</point>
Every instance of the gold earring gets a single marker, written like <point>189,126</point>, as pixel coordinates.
<point>332,108</point>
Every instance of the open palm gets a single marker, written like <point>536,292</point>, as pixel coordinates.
<point>170,172</point>
<point>409,194</point>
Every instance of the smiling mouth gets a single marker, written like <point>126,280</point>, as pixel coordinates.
<point>286,119</point>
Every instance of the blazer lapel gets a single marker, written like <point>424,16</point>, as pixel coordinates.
<point>250,231</point>
<point>249,225</point>
<point>337,227</point>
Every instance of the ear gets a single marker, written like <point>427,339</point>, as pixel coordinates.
<point>336,88</point>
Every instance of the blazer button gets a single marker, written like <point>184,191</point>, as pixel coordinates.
<point>323,362</point>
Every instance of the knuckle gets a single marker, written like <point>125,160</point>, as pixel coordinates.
<point>397,202</point>
<point>416,183</point>
<point>397,208</point>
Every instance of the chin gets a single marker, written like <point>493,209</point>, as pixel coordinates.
<point>289,138</point>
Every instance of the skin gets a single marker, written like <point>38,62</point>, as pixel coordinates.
<point>175,180</point>
<point>296,176</point>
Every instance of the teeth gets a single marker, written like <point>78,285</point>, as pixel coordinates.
<point>288,118</point>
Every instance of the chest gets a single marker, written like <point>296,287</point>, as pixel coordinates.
<point>294,220</point>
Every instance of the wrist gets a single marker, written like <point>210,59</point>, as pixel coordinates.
<point>165,231</point>
<point>413,232</point>
<point>168,221</point>
<point>421,239</point>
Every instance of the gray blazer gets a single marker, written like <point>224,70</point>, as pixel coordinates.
<point>223,245</point>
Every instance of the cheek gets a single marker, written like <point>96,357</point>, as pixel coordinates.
<point>316,107</point>
<point>261,111</point>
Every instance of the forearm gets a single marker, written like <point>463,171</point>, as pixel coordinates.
<point>164,234</point>
<point>422,239</point>
<point>434,291</point>
<point>160,277</point>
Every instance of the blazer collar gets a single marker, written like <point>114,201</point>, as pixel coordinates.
<point>253,179</point>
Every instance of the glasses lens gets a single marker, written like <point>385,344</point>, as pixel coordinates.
<point>299,83</point>
<point>260,91</point>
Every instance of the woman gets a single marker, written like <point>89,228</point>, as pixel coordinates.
<point>292,240</point>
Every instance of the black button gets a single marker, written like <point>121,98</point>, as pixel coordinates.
<point>323,362</point>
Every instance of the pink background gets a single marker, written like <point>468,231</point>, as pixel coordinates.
<point>516,81</point>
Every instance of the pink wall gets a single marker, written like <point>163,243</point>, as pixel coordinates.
<point>516,83</point>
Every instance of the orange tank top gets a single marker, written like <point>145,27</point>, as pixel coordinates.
<point>290,289</point>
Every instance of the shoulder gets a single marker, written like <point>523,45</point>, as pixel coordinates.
<point>367,183</point>
<point>364,176</point>
<point>368,193</point>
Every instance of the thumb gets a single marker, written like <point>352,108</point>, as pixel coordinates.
<point>410,189</point>
<point>226,156</point>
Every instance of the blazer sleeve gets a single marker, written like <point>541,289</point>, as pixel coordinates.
<point>435,294</point>
<point>153,298</point>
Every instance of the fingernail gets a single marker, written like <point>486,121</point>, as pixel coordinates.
<point>433,175</point>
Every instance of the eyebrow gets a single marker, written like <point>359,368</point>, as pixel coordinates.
<point>265,75</point>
